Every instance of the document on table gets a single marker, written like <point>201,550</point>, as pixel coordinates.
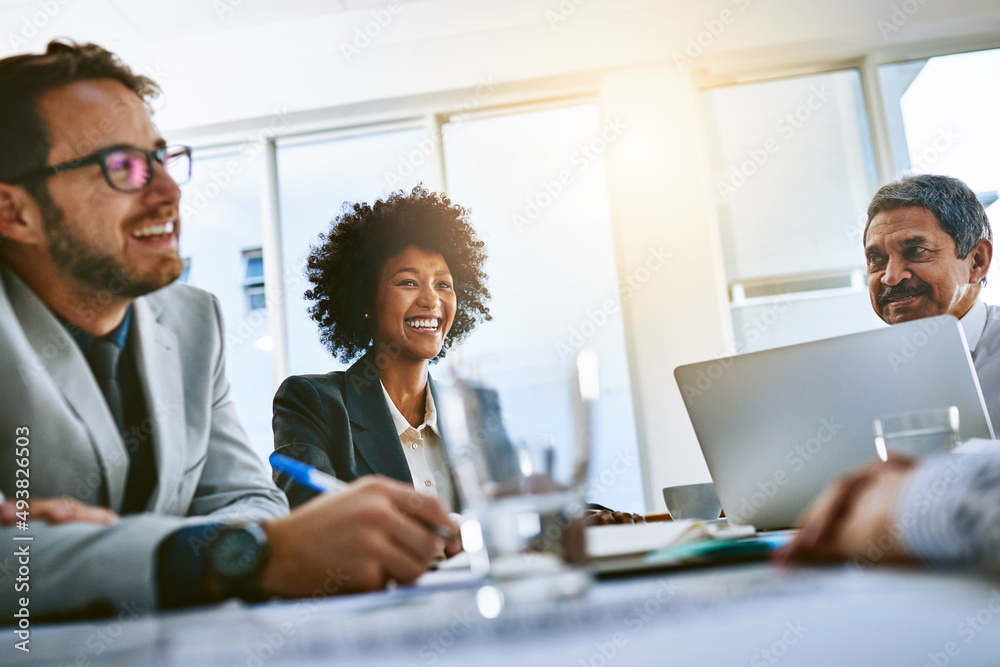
<point>636,538</point>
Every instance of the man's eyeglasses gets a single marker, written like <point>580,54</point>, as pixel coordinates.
<point>125,168</point>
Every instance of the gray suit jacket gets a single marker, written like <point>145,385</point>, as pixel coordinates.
<point>206,470</point>
<point>986,358</point>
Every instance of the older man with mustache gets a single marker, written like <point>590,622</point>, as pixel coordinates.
<point>928,247</point>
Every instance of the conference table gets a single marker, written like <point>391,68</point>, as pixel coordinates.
<point>740,614</point>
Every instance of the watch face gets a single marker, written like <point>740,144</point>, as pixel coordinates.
<point>236,554</point>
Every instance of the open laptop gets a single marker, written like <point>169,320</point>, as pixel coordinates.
<point>775,426</point>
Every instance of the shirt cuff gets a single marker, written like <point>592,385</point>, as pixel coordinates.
<point>181,566</point>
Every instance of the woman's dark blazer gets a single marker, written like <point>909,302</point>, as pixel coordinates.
<point>339,423</point>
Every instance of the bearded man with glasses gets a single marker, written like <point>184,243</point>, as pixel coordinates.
<point>127,467</point>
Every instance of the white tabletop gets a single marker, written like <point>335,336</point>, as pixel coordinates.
<point>737,615</point>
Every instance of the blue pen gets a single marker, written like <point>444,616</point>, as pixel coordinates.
<point>317,480</point>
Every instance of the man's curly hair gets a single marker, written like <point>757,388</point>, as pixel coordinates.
<point>344,267</point>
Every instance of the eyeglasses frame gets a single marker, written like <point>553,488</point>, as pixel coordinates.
<point>99,158</point>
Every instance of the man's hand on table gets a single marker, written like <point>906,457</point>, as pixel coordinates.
<point>57,511</point>
<point>852,514</point>
<point>357,540</point>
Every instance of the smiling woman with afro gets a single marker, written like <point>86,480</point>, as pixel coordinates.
<point>396,282</point>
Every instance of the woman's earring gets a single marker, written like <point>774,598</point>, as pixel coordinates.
<point>366,316</point>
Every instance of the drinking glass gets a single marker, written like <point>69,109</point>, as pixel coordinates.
<point>522,505</point>
<point>917,433</point>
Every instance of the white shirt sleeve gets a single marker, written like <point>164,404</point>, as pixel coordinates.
<point>949,510</point>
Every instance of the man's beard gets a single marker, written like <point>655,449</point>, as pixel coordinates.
<point>101,272</point>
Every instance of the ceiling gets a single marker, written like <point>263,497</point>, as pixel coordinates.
<point>221,60</point>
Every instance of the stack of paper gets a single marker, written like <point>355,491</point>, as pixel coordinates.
<point>638,538</point>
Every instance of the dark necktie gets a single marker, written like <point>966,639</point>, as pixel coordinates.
<point>104,356</point>
<point>104,359</point>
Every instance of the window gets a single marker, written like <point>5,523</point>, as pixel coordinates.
<point>941,115</point>
<point>793,169</point>
<point>253,279</point>
<point>186,271</point>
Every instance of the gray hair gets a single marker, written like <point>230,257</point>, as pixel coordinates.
<point>952,202</point>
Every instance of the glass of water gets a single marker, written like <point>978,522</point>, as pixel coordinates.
<point>522,504</point>
<point>917,433</point>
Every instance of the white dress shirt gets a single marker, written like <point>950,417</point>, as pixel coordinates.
<point>422,448</point>
<point>973,323</point>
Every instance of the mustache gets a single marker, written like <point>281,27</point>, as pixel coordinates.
<point>902,291</point>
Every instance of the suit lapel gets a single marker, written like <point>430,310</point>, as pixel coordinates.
<point>372,429</point>
<point>61,357</point>
<point>159,367</point>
